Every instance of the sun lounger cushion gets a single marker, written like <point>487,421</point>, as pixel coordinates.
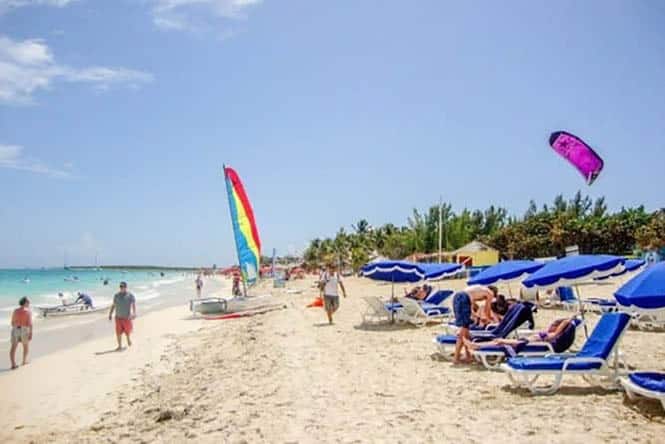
<point>550,363</point>
<point>604,336</point>
<point>393,306</point>
<point>438,297</point>
<point>432,309</point>
<point>650,381</point>
<point>566,294</point>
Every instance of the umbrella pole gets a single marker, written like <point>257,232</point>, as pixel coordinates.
<point>579,302</point>
<point>392,300</point>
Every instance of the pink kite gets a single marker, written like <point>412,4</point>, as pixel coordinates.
<point>578,153</point>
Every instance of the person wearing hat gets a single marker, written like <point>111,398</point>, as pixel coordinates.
<point>124,305</point>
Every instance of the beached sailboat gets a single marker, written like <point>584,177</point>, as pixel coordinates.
<point>248,247</point>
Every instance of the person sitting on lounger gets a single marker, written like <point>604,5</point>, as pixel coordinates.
<point>419,293</point>
<point>553,332</point>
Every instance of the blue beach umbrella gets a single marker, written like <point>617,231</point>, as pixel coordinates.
<point>438,271</point>
<point>393,271</point>
<point>506,271</point>
<point>630,266</point>
<point>646,290</point>
<point>403,271</point>
<point>573,270</point>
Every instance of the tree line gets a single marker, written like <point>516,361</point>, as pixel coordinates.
<point>541,232</point>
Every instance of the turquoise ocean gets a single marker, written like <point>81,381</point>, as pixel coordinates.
<point>42,286</point>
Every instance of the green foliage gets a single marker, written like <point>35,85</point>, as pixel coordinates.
<point>540,232</point>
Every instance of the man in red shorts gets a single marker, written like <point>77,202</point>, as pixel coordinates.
<point>124,304</point>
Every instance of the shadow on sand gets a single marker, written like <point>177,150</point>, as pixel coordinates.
<point>113,350</point>
<point>384,327</point>
<point>563,391</point>
<point>649,408</point>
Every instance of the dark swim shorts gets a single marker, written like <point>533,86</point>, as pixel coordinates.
<point>462,309</point>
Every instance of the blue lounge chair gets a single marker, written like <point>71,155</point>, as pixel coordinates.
<point>647,384</point>
<point>492,355</point>
<point>517,315</point>
<point>600,305</point>
<point>419,314</point>
<point>434,300</point>
<point>592,360</point>
<point>567,297</point>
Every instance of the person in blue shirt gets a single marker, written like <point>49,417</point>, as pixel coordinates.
<point>84,299</point>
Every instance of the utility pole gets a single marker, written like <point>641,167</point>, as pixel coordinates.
<point>440,225</point>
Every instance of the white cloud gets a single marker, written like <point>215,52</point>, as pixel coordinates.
<point>28,66</point>
<point>6,5</point>
<point>11,157</point>
<point>198,15</point>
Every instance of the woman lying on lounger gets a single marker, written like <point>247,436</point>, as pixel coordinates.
<point>419,293</point>
<point>553,332</point>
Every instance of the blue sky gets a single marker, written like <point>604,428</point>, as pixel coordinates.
<point>116,117</point>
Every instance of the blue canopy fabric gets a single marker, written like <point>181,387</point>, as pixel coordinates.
<point>574,269</point>
<point>505,271</point>
<point>435,272</point>
<point>630,266</point>
<point>403,271</point>
<point>646,290</point>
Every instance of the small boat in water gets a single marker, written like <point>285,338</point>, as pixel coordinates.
<point>69,310</point>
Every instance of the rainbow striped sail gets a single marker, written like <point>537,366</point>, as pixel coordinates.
<point>244,227</point>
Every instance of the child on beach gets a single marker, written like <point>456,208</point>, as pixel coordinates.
<point>462,306</point>
<point>21,331</point>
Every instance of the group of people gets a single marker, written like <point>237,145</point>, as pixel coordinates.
<point>124,307</point>
<point>469,312</point>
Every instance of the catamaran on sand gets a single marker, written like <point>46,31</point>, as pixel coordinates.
<point>248,247</point>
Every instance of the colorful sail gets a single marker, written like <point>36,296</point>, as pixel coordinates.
<point>578,153</point>
<point>244,227</point>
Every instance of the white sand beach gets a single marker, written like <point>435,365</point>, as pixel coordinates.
<point>287,376</point>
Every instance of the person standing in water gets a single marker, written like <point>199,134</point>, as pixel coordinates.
<point>124,305</point>
<point>199,285</point>
<point>333,281</point>
<point>21,331</point>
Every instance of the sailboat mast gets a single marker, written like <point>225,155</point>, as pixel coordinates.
<point>229,192</point>
<point>248,244</point>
